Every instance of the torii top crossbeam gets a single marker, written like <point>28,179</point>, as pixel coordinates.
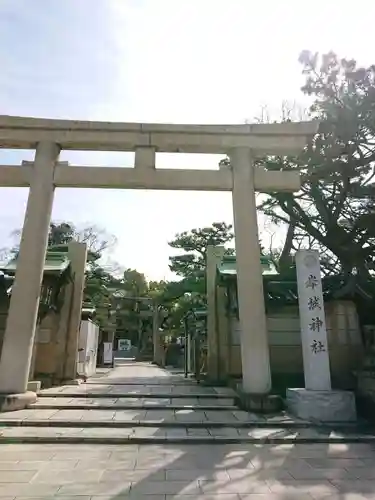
<point>146,140</point>
<point>278,138</point>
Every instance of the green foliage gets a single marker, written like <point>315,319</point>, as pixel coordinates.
<point>60,233</point>
<point>178,297</point>
<point>191,264</point>
<point>133,308</point>
<point>157,289</point>
<point>96,239</point>
<point>334,211</point>
<point>134,283</point>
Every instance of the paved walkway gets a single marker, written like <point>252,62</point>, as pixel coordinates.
<point>140,402</point>
<point>172,470</point>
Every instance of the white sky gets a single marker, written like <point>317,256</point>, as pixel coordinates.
<point>179,61</point>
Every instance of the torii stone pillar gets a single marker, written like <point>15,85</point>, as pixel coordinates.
<point>256,374</point>
<point>22,316</point>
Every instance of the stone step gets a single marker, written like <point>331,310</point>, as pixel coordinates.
<point>178,436</point>
<point>113,400</point>
<point>148,382</point>
<point>163,417</point>
<point>129,417</point>
<point>205,424</point>
<point>110,406</point>
<point>148,395</point>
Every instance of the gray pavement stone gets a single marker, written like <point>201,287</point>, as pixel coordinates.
<point>190,415</point>
<point>40,414</point>
<point>133,476</point>
<point>21,465</point>
<point>226,391</point>
<point>217,416</point>
<point>316,488</point>
<point>215,401</point>
<point>186,401</point>
<point>106,415</point>
<point>244,416</point>
<point>361,486</point>
<point>78,453</point>
<point>238,486</point>
<point>62,477</point>
<point>197,474</point>
<point>129,496</point>
<point>166,487</point>
<point>120,465</point>
<point>277,496</point>
<point>26,454</point>
<point>64,465</point>
<point>156,402</point>
<point>103,432</point>
<point>80,497</point>
<point>223,432</point>
<point>197,431</point>
<point>16,415</point>
<point>260,475</point>
<point>148,432</point>
<point>173,471</point>
<point>202,496</point>
<point>340,463</point>
<point>16,476</point>
<point>128,402</point>
<point>129,415</point>
<point>69,415</point>
<point>185,466</point>
<point>92,489</point>
<point>27,489</point>
<point>159,415</point>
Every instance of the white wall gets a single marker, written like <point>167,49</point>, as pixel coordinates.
<point>88,341</point>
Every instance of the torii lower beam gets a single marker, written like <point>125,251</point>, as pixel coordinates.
<point>137,178</point>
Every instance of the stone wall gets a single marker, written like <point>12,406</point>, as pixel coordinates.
<point>366,392</point>
<point>51,337</point>
<point>366,384</point>
<point>344,338</point>
<point>51,343</point>
<point>44,356</point>
<point>46,360</point>
<point>55,352</point>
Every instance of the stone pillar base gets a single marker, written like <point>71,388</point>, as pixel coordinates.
<point>34,385</point>
<point>258,403</point>
<point>76,381</point>
<point>12,402</point>
<point>323,406</point>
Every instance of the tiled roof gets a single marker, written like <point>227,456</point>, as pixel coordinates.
<point>56,263</point>
<point>227,266</point>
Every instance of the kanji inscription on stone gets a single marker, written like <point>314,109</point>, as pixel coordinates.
<point>316,324</point>
<point>314,303</point>
<point>315,348</point>
<point>311,282</point>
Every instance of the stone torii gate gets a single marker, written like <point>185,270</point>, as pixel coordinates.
<point>48,137</point>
